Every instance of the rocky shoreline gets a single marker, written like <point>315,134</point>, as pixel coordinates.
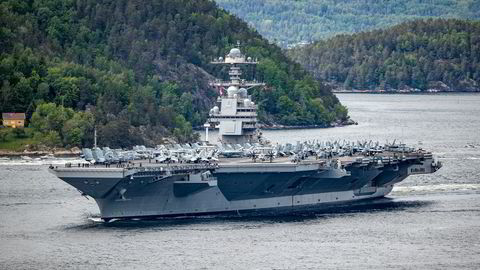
<point>439,87</point>
<point>348,122</point>
<point>73,152</point>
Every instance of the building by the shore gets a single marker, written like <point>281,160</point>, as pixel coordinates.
<point>13,120</point>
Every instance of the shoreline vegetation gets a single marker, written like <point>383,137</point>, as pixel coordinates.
<point>139,71</point>
<point>140,76</point>
<point>16,147</point>
<point>296,23</point>
<point>347,122</point>
<point>418,56</point>
<point>62,152</point>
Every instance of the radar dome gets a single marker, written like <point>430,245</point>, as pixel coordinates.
<point>215,110</point>
<point>235,52</point>
<point>246,102</point>
<point>242,92</point>
<point>249,59</point>
<point>232,90</point>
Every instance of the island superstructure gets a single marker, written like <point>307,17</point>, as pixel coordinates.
<point>242,174</point>
<point>236,114</point>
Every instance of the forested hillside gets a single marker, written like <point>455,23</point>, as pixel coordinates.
<point>292,21</point>
<point>424,54</point>
<point>138,70</point>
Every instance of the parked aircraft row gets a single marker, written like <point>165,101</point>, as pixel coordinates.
<point>197,152</point>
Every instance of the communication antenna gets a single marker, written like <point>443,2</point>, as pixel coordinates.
<point>95,137</point>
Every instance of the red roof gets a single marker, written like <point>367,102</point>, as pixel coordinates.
<point>13,116</point>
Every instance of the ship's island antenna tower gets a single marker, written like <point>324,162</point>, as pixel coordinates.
<point>235,115</point>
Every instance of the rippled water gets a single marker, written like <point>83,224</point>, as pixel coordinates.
<point>430,221</point>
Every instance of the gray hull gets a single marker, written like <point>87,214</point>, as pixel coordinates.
<point>236,189</point>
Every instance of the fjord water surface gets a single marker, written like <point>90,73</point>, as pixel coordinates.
<point>430,221</point>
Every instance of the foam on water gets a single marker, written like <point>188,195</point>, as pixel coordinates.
<point>427,222</point>
<point>440,188</point>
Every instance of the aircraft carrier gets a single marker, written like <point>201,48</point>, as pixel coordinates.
<point>242,173</point>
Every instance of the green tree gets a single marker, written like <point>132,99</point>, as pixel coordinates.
<point>416,54</point>
<point>78,129</point>
<point>137,67</point>
<point>50,139</point>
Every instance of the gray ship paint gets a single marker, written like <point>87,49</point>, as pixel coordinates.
<point>428,221</point>
<point>335,175</point>
<point>164,190</point>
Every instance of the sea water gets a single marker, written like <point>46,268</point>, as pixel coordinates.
<point>427,222</point>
